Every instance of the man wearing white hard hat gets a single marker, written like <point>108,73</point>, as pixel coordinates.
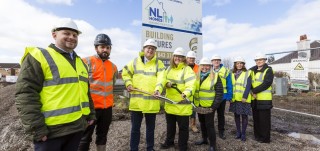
<point>191,58</point>
<point>52,92</point>
<point>262,75</point>
<point>225,76</point>
<point>241,101</point>
<point>146,72</point>
<point>179,76</point>
<point>209,93</point>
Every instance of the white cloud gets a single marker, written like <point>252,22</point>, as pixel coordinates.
<point>232,39</point>
<point>62,2</point>
<point>216,2</point>
<point>19,30</point>
<point>136,22</point>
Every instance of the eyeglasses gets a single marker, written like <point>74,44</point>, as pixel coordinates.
<point>150,48</point>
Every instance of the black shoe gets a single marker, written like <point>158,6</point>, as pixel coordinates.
<point>166,145</point>
<point>238,135</point>
<point>243,137</point>
<point>211,148</point>
<point>201,142</point>
<point>221,135</point>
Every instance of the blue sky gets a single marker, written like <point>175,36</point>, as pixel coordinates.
<point>230,27</point>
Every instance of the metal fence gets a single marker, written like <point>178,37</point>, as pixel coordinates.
<point>301,70</point>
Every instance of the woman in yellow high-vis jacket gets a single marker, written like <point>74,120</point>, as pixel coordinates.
<point>262,75</point>
<point>182,75</point>
<point>209,94</point>
<point>241,101</point>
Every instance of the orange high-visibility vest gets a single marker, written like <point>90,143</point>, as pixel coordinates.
<point>196,68</point>
<point>101,77</point>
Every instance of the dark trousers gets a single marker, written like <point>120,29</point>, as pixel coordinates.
<point>136,119</point>
<point>65,143</point>
<point>104,118</point>
<point>207,127</point>
<point>220,115</point>
<point>183,123</point>
<point>262,124</point>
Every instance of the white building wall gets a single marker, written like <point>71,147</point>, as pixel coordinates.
<point>314,67</point>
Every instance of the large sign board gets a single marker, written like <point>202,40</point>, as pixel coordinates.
<point>299,74</point>
<point>172,24</point>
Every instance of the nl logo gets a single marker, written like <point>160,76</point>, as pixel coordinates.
<point>158,14</point>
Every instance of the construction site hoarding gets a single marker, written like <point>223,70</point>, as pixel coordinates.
<point>172,24</point>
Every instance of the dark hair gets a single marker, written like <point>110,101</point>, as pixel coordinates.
<point>235,67</point>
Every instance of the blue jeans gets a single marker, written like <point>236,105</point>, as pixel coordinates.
<point>136,119</point>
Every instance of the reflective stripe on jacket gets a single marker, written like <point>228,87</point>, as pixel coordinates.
<point>64,95</point>
<point>223,73</point>
<point>102,77</point>
<point>205,93</point>
<point>147,77</point>
<point>239,86</point>
<point>258,79</point>
<point>185,79</point>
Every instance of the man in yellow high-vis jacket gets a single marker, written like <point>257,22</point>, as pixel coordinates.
<point>52,92</point>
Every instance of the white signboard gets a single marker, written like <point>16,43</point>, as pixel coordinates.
<point>177,14</point>
<point>12,79</point>
<point>299,74</point>
<point>173,23</point>
<point>168,40</point>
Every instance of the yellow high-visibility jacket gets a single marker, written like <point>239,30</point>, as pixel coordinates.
<point>239,86</point>
<point>185,79</point>
<point>147,77</point>
<point>64,95</point>
<point>205,92</point>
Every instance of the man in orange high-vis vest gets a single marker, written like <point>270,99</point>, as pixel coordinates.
<point>102,77</point>
<point>191,57</point>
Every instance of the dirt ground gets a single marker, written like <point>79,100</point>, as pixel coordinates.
<point>12,136</point>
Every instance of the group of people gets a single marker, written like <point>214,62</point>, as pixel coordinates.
<point>63,99</point>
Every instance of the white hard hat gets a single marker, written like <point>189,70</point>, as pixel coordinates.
<point>150,42</point>
<point>191,54</point>
<point>239,59</point>
<point>66,23</point>
<point>215,56</point>
<point>260,56</point>
<point>179,51</point>
<point>205,61</point>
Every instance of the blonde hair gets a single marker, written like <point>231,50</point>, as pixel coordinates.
<point>173,65</point>
<point>212,74</point>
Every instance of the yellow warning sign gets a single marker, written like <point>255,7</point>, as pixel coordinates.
<point>299,67</point>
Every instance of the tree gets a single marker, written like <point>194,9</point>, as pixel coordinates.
<point>227,62</point>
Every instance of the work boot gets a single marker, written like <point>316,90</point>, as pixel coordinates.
<point>201,142</point>
<point>101,147</point>
<point>166,145</point>
<point>193,125</point>
<point>221,135</point>
<point>238,135</point>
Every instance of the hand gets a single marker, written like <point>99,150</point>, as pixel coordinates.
<point>90,122</point>
<point>156,93</point>
<point>243,100</point>
<point>129,88</point>
<point>168,84</point>
<point>254,96</point>
<point>44,138</point>
<point>183,95</point>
